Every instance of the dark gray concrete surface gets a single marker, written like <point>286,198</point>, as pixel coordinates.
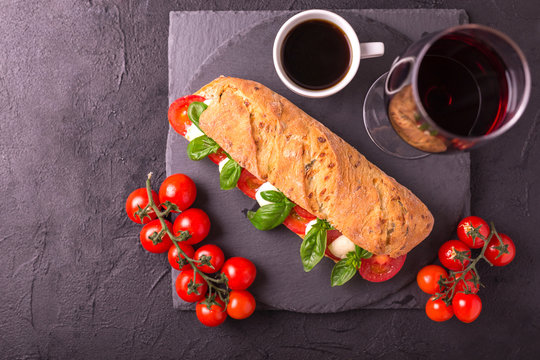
<point>83,98</point>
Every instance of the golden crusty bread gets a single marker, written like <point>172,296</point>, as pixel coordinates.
<point>279,143</point>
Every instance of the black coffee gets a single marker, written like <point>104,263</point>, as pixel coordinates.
<point>316,54</point>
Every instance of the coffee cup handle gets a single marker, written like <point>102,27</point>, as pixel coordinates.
<point>371,50</point>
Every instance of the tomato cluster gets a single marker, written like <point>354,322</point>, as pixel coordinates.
<point>206,277</point>
<point>455,293</point>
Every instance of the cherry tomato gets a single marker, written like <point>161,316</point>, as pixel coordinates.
<point>241,304</point>
<point>182,286</point>
<point>178,189</point>
<point>248,183</point>
<point>304,213</point>
<point>331,235</point>
<point>296,223</point>
<point>493,253</point>
<point>467,307</point>
<point>467,225</point>
<point>428,279</point>
<point>380,268</point>
<point>217,156</point>
<point>156,246</point>
<point>174,257</point>
<point>447,254</point>
<point>469,284</point>
<point>437,310</point>
<point>240,271</point>
<point>138,198</point>
<point>178,117</point>
<point>196,222</point>
<point>217,260</point>
<point>212,317</point>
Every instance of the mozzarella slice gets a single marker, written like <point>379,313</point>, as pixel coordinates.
<point>309,225</point>
<point>207,102</point>
<point>193,132</point>
<point>341,247</point>
<point>222,164</point>
<point>264,187</point>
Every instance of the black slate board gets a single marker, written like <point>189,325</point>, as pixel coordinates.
<point>441,182</point>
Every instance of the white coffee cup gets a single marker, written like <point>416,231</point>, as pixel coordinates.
<point>358,51</point>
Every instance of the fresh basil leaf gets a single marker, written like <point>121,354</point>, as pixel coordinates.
<point>342,272</point>
<point>270,216</point>
<point>361,253</point>
<point>194,112</point>
<point>201,147</point>
<point>314,245</point>
<point>354,259</point>
<point>273,196</point>
<point>229,175</point>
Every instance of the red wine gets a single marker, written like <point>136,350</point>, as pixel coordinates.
<point>316,54</point>
<point>462,86</point>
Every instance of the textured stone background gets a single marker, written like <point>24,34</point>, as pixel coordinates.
<point>83,94</point>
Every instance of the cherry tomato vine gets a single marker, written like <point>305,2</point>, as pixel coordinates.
<point>213,283</point>
<point>200,279</point>
<point>454,293</point>
<point>451,284</point>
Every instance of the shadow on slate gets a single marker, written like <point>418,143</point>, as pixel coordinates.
<point>442,182</point>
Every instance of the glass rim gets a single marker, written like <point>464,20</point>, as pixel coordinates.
<point>522,103</point>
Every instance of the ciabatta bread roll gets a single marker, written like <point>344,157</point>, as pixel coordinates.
<point>279,143</point>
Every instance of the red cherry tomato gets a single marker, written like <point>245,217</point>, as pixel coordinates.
<point>156,246</point>
<point>380,268</point>
<point>248,183</point>
<point>139,198</point>
<point>217,258</point>
<point>241,304</point>
<point>428,279</point>
<point>467,284</point>
<point>331,235</point>
<point>495,255</point>
<point>178,189</point>
<point>182,286</point>
<point>217,156</point>
<point>437,310</point>
<point>196,222</point>
<point>447,255</point>
<point>467,307</point>
<point>174,257</point>
<point>467,225</point>
<point>304,213</point>
<point>296,223</point>
<point>178,117</point>
<point>214,316</point>
<point>240,271</point>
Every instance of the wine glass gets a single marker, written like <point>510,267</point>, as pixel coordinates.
<point>450,91</point>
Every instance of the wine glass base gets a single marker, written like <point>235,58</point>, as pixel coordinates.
<point>379,128</point>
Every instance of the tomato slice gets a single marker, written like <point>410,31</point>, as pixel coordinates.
<point>296,223</point>
<point>304,213</point>
<point>218,156</point>
<point>248,183</point>
<point>331,235</point>
<point>177,114</point>
<point>379,268</point>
